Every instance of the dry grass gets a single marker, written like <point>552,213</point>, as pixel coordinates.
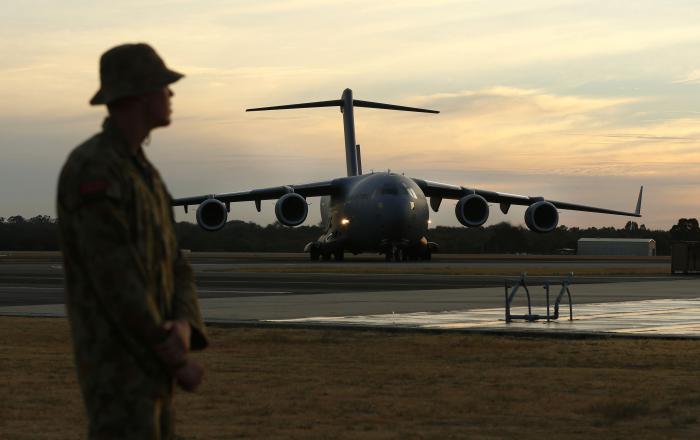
<point>274,383</point>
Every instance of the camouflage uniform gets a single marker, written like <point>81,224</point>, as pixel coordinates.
<point>125,276</point>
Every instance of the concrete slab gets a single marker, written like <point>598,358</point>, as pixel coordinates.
<point>673,311</point>
<point>641,318</point>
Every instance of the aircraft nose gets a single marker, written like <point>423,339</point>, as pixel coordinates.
<point>396,215</point>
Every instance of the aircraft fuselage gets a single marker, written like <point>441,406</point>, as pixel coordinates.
<point>377,212</point>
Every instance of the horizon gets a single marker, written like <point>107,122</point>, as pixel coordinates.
<point>317,224</point>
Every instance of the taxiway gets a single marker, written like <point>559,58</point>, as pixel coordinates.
<point>451,293</point>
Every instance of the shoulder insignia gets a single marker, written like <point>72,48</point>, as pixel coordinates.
<point>93,187</point>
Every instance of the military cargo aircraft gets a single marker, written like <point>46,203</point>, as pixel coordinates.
<point>379,212</point>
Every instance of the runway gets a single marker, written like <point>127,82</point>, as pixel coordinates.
<point>28,278</point>
<point>287,289</point>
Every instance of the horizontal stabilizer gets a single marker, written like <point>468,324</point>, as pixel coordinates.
<point>370,104</point>
<point>334,103</point>
<point>340,103</point>
<point>346,104</point>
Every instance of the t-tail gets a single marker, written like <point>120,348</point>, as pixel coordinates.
<point>346,104</point>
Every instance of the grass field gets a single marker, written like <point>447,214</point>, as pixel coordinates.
<point>315,384</point>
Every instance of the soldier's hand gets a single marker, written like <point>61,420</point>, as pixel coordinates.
<point>180,329</point>
<point>173,350</point>
<point>189,376</point>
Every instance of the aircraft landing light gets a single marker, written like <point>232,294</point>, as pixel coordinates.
<point>344,221</point>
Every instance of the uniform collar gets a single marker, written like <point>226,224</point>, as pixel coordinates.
<point>119,141</point>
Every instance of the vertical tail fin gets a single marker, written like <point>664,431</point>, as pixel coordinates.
<point>346,104</point>
<point>359,159</point>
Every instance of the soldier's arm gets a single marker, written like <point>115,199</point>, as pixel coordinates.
<point>109,256</point>
<point>185,303</point>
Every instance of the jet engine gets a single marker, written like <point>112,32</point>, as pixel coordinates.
<point>541,216</point>
<point>291,209</point>
<point>472,210</point>
<point>211,215</point>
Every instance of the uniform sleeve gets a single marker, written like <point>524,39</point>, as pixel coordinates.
<point>185,303</point>
<point>109,255</point>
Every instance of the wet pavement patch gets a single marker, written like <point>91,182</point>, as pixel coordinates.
<point>664,317</point>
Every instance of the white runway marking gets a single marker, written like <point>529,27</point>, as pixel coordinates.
<point>261,292</point>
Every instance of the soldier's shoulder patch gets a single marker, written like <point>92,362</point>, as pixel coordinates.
<point>93,187</point>
<point>97,188</point>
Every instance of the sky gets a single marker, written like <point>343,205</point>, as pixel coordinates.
<point>578,101</point>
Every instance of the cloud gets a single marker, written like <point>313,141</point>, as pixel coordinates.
<point>505,72</point>
<point>692,77</point>
<point>503,99</point>
<point>507,123</point>
<point>534,132</point>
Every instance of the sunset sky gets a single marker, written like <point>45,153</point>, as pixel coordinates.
<point>579,101</point>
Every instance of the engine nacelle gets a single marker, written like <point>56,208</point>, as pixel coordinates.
<point>472,210</point>
<point>291,209</point>
<point>542,217</point>
<point>211,215</point>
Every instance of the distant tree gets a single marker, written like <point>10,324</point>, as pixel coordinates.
<point>631,226</point>
<point>687,229</point>
<point>40,220</point>
<point>506,239</point>
<point>41,233</point>
<point>2,219</point>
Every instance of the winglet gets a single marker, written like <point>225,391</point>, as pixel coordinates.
<point>638,211</point>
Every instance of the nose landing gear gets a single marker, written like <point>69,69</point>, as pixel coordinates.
<point>397,253</point>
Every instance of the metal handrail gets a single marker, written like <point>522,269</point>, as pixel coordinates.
<point>530,317</point>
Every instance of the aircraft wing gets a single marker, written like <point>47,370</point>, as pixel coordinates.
<point>306,189</point>
<point>438,191</point>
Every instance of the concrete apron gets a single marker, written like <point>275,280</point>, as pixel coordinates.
<point>439,310</point>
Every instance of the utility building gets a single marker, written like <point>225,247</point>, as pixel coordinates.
<point>685,257</point>
<point>643,247</point>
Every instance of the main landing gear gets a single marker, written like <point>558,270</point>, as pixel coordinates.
<point>316,254</point>
<point>402,254</point>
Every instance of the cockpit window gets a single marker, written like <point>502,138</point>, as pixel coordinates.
<point>390,190</point>
<point>395,190</point>
<point>410,191</point>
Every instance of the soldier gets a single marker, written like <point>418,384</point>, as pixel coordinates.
<point>130,294</point>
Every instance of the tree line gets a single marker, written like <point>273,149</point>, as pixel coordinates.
<point>40,233</point>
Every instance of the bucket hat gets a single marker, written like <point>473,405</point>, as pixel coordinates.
<point>131,70</point>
